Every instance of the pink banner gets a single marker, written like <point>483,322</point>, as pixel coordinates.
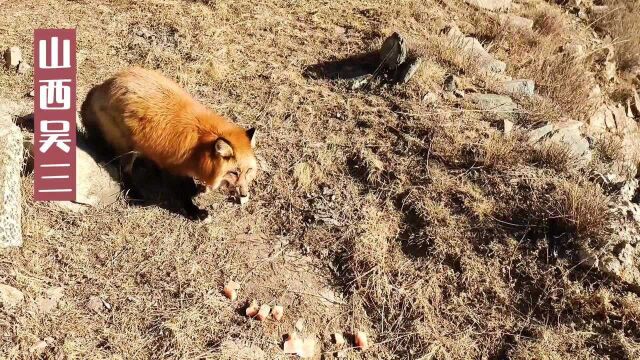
<point>55,114</point>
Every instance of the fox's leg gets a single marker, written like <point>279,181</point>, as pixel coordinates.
<point>186,190</point>
<point>126,168</point>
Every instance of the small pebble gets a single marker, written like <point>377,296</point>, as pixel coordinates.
<point>277,312</point>
<point>263,313</point>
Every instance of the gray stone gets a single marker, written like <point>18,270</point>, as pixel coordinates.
<point>609,71</point>
<point>430,98</point>
<point>492,102</point>
<point>635,104</point>
<point>536,134</point>
<point>523,87</point>
<point>12,57</point>
<point>622,123</point>
<point>393,51</point>
<point>507,126</point>
<point>10,296</point>
<point>491,5</point>
<point>359,81</point>
<point>23,68</point>
<point>11,159</point>
<point>602,120</point>
<point>408,70</point>
<point>95,184</point>
<point>449,83</point>
<point>474,49</point>
<point>569,134</point>
<point>595,93</point>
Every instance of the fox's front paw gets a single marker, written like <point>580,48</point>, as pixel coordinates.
<point>202,189</point>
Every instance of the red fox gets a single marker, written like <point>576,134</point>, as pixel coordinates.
<point>140,112</point>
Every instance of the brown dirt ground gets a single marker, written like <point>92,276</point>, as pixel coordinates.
<point>374,210</point>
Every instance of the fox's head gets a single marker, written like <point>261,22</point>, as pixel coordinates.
<point>228,160</point>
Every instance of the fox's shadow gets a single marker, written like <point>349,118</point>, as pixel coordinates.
<point>155,186</point>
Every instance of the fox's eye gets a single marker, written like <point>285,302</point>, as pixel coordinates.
<point>234,173</point>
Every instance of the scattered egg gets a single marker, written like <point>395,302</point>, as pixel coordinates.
<point>362,342</point>
<point>231,290</point>
<point>252,310</point>
<point>338,338</point>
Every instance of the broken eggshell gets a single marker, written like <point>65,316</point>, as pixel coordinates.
<point>263,313</point>
<point>231,290</point>
<point>252,309</point>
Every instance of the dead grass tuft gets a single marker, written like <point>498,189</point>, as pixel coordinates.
<point>503,151</point>
<point>622,23</point>
<point>561,78</point>
<point>553,155</point>
<point>371,166</point>
<point>608,147</point>
<point>580,209</point>
<point>564,80</point>
<point>550,22</point>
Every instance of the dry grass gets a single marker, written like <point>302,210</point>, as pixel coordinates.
<point>622,22</point>
<point>561,78</point>
<point>504,151</point>
<point>373,211</point>
<point>553,155</point>
<point>581,209</point>
<point>609,148</point>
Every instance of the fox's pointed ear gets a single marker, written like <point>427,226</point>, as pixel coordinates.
<point>251,134</point>
<point>223,148</point>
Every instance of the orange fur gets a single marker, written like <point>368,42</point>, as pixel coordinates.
<point>140,111</point>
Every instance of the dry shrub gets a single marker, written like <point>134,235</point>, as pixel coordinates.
<point>539,110</point>
<point>370,166</point>
<point>554,155</point>
<point>550,22</point>
<point>581,209</point>
<point>535,55</point>
<point>608,147</point>
<point>503,151</point>
<point>623,24</point>
<point>442,48</point>
<point>563,79</point>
